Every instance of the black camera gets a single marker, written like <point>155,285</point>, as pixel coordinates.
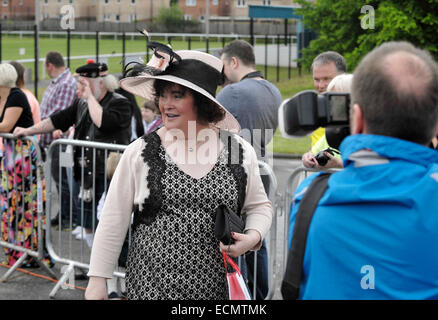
<point>322,158</point>
<point>307,110</point>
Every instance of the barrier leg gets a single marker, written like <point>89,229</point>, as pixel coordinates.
<point>47,269</point>
<point>62,280</point>
<point>16,265</point>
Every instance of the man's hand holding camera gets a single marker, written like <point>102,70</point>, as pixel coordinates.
<point>322,160</point>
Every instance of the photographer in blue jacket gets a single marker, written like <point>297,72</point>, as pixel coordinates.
<point>374,233</point>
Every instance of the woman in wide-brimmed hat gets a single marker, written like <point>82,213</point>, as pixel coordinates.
<point>173,179</point>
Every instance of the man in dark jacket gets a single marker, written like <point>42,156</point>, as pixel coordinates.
<point>98,115</point>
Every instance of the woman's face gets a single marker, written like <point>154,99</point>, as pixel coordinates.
<point>177,108</point>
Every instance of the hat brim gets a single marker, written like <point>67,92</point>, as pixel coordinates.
<point>143,86</point>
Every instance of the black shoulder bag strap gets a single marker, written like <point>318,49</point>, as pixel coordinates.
<point>290,287</point>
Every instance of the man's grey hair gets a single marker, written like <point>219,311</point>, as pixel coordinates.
<point>110,82</point>
<point>331,56</point>
<point>396,87</point>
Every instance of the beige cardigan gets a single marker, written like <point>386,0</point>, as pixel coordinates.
<point>129,187</point>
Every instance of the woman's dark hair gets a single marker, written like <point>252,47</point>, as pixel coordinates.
<point>206,110</point>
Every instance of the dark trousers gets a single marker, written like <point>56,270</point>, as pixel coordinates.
<point>63,187</point>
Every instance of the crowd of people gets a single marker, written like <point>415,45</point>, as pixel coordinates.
<point>189,152</point>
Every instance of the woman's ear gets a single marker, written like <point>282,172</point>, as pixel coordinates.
<point>357,124</point>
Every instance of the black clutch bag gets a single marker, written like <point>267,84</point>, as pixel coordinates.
<point>227,221</point>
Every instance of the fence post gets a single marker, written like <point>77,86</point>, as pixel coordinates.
<point>266,57</point>
<point>123,50</point>
<point>97,46</point>
<point>207,43</point>
<point>278,57</point>
<point>290,57</point>
<point>190,43</point>
<point>0,43</point>
<point>36,55</point>
<point>223,42</point>
<point>68,47</point>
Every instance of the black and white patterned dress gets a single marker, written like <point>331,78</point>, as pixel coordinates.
<point>173,252</point>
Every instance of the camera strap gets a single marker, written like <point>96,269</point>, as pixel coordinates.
<point>254,74</point>
<point>290,287</point>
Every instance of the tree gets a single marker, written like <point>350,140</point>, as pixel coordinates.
<point>172,19</point>
<point>340,26</point>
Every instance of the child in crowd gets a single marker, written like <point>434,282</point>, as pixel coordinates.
<point>151,116</point>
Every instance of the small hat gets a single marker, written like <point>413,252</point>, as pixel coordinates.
<point>196,70</point>
<point>91,70</point>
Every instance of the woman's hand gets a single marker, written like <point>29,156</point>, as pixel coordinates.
<point>243,243</point>
<point>96,289</point>
<point>20,132</point>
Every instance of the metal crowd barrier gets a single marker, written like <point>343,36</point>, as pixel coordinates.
<point>59,245</point>
<point>22,176</point>
<point>283,210</point>
<point>64,250</point>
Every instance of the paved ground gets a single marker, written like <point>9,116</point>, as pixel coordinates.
<point>36,286</point>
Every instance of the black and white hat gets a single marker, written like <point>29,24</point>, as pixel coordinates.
<point>196,70</point>
<point>92,70</point>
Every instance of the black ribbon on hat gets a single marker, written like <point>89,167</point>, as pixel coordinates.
<point>196,72</point>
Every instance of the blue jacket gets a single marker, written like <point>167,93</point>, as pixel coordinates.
<point>374,234</point>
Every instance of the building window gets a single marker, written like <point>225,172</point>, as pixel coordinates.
<point>106,17</point>
<point>105,1</point>
<point>266,2</point>
<point>215,2</point>
<point>241,3</point>
<point>117,17</point>
<point>190,3</point>
<point>132,17</point>
<point>46,2</point>
<point>132,1</point>
<point>21,2</point>
<point>5,3</point>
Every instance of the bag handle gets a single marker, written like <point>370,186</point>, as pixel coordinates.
<point>230,261</point>
<point>290,288</point>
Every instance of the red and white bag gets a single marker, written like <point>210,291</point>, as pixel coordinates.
<point>237,289</point>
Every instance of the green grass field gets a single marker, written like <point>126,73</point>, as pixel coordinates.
<point>288,87</point>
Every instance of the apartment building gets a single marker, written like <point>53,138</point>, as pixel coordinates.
<point>17,9</point>
<point>90,10</point>
<point>233,9</point>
